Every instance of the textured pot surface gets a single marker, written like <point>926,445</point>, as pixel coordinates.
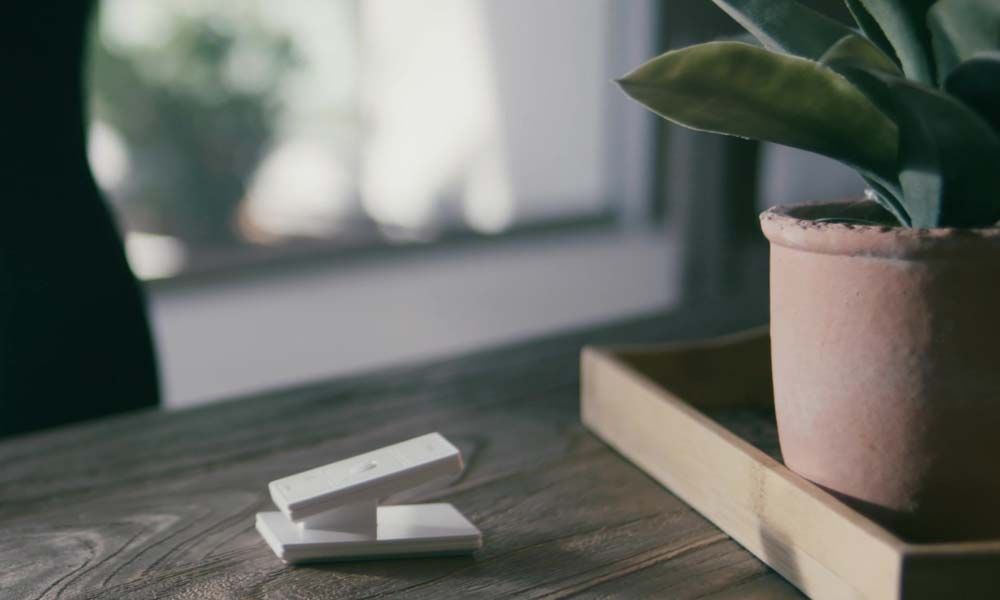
<point>886,361</point>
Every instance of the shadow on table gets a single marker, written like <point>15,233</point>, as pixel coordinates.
<point>499,574</point>
<point>777,553</point>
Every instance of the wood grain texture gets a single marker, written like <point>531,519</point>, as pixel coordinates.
<point>161,505</point>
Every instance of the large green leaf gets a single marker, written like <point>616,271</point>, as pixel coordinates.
<point>787,26</point>
<point>871,28</point>
<point>853,51</point>
<point>960,29</point>
<point>738,89</point>
<point>904,23</point>
<point>949,157</point>
<point>977,83</point>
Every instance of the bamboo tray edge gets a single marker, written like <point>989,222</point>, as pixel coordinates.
<point>647,403</point>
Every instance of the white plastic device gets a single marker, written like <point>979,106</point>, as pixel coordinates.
<point>332,512</point>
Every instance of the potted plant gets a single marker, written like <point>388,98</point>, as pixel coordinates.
<point>885,313</point>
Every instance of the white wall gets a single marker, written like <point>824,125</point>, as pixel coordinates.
<point>231,338</point>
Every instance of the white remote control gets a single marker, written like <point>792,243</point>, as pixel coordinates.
<point>368,476</point>
<point>332,513</point>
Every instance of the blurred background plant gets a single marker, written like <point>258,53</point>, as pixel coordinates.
<point>190,103</point>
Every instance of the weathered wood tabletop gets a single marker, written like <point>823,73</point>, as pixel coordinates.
<point>160,505</point>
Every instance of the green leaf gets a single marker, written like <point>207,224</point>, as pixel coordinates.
<point>889,195</point>
<point>744,36</point>
<point>977,83</point>
<point>960,29</point>
<point>871,28</point>
<point>787,26</point>
<point>872,83</point>
<point>852,51</point>
<point>737,89</point>
<point>904,23</point>
<point>949,157</point>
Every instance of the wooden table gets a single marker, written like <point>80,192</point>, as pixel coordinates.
<point>160,505</point>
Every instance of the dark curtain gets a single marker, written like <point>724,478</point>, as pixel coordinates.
<point>74,337</point>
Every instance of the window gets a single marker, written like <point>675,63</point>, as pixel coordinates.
<point>230,131</point>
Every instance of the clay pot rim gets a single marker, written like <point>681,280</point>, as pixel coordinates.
<point>789,226</point>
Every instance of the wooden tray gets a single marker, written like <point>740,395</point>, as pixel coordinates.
<point>699,419</point>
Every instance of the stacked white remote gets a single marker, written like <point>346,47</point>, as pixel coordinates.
<point>332,513</point>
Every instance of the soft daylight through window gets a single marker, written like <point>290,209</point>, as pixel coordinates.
<point>228,130</point>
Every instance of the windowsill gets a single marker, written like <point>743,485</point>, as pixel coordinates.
<point>255,262</point>
<point>229,335</point>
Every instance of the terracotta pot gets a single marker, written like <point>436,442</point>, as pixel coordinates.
<point>886,362</point>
